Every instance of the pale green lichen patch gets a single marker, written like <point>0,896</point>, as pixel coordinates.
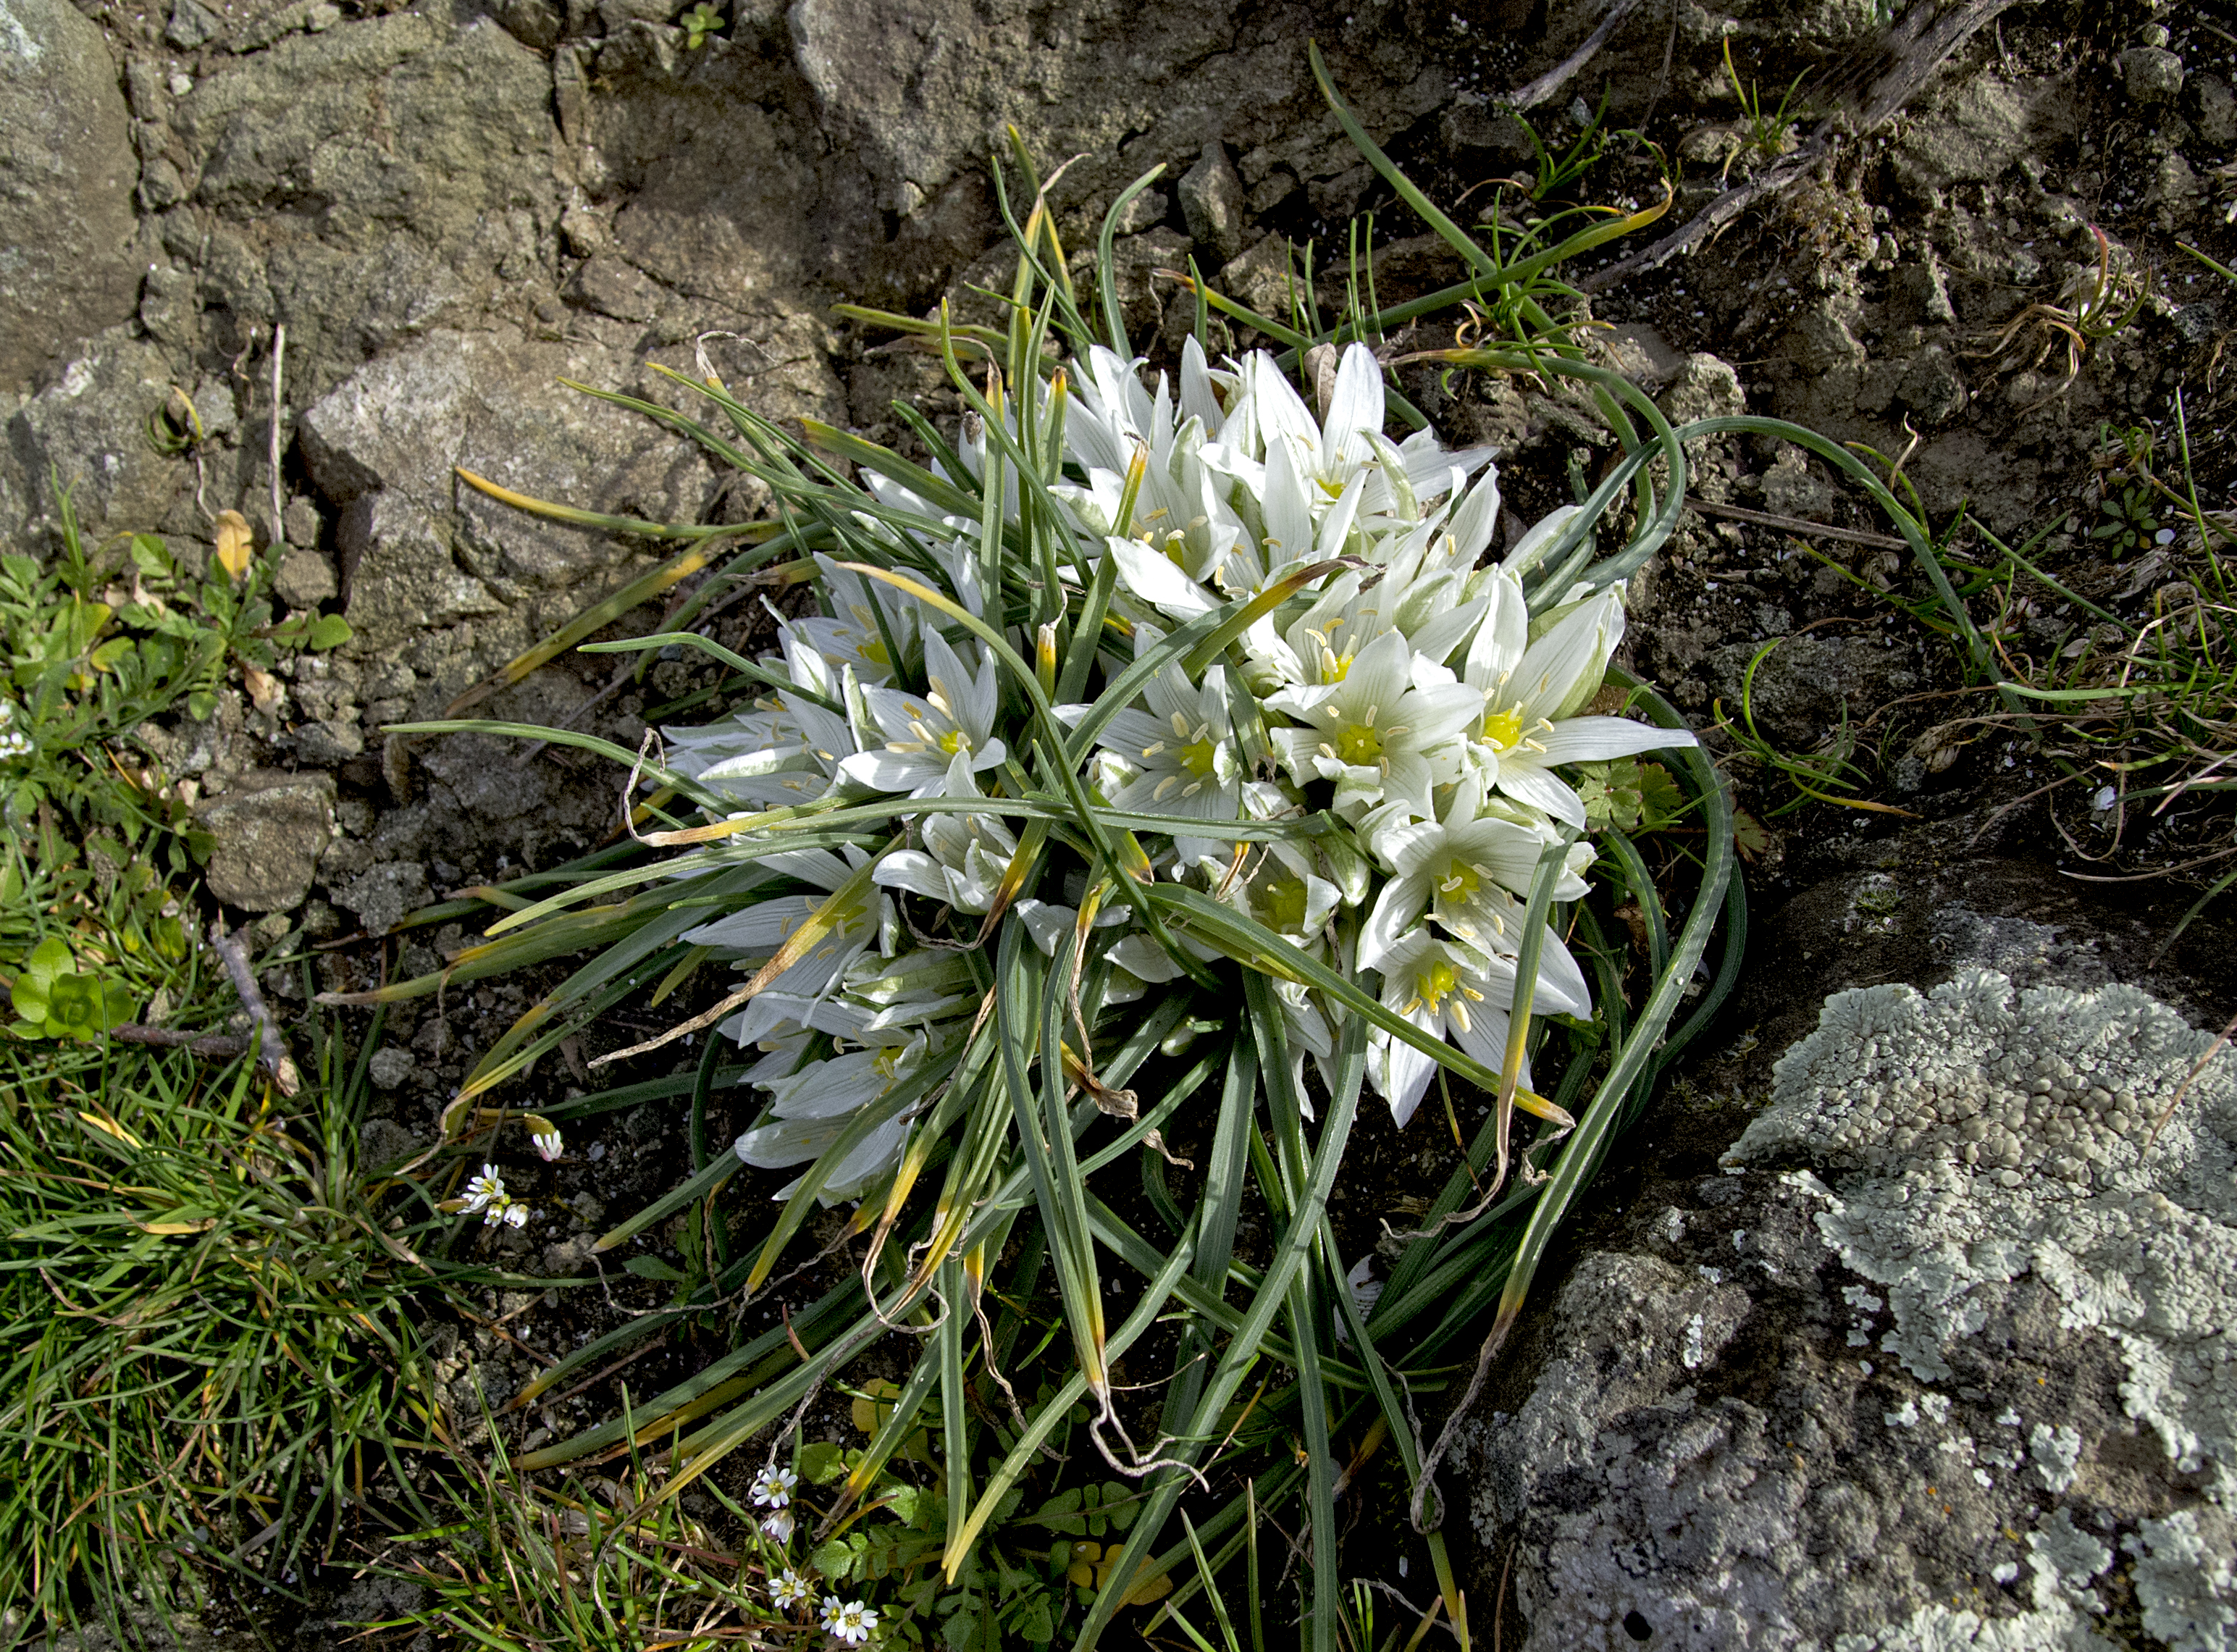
<point>1986,1134</point>
<point>2186,1584</point>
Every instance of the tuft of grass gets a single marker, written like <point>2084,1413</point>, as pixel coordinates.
<point>205,1338</point>
<point>598,1560</point>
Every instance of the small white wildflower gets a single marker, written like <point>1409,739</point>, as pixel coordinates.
<point>773,1487</point>
<point>506,1212</point>
<point>487,1189</point>
<point>777,1527</point>
<point>788,1588</point>
<point>850,1621</point>
<point>548,1145</point>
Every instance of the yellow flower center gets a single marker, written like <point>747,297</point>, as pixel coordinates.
<point>1436,982</point>
<point>1283,899</point>
<point>1197,757</point>
<point>1460,883</point>
<point>952,742</point>
<point>1360,745</point>
<point>1504,729</point>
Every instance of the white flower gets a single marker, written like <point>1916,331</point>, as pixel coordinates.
<point>14,743</point>
<point>1446,990</point>
<point>788,1588</point>
<point>1184,532</point>
<point>484,1189</point>
<point>925,733</point>
<point>1180,753</point>
<point>1469,871</point>
<point>848,1620</point>
<point>813,1107</point>
<point>544,1136</point>
<point>965,858</point>
<point>777,1527</point>
<point>870,611</point>
<point>755,933</point>
<point>772,1487</point>
<point>504,1211</point>
<point>1345,448</point>
<point>1531,696</point>
<point>1372,733</point>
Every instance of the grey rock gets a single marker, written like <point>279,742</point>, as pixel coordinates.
<point>922,93</point>
<point>2176,193</point>
<point>193,25</point>
<point>2152,74</point>
<point>67,170</point>
<point>89,429</point>
<point>2214,106</point>
<point>1705,386</point>
<point>1262,277</point>
<point>305,579</point>
<point>1874,1392</point>
<point>1822,338</point>
<point>612,286</point>
<point>418,159</point>
<point>382,895</point>
<point>1932,387</point>
<point>383,1141</point>
<point>271,828</point>
<point>329,741</point>
<point>1970,133</point>
<point>1922,294</point>
<point>418,549</point>
<point>1144,211</point>
<point>2194,324</point>
<point>300,520</point>
<point>1808,683</point>
<point>168,306</point>
<point>1211,202</point>
<point>1791,488</point>
<point>390,1066</point>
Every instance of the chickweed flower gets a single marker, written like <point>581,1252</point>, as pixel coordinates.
<point>788,1590</point>
<point>773,1487</point>
<point>544,1136</point>
<point>848,1621</point>
<point>777,1527</point>
<point>484,1190</point>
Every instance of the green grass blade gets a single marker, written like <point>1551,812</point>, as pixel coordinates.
<point>1107,283</point>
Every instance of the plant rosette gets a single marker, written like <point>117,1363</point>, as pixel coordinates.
<point>54,999</point>
<point>1155,727</point>
<point>1367,777</point>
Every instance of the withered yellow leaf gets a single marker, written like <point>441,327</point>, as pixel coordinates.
<point>236,545</point>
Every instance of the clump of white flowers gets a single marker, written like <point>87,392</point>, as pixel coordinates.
<point>1393,699</point>
<point>486,1193</point>
<point>14,743</point>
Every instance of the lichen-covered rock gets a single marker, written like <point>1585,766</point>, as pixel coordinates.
<point>418,163</point>
<point>1876,1389</point>
<point>2002,1134</point>
<point>66,176</point>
